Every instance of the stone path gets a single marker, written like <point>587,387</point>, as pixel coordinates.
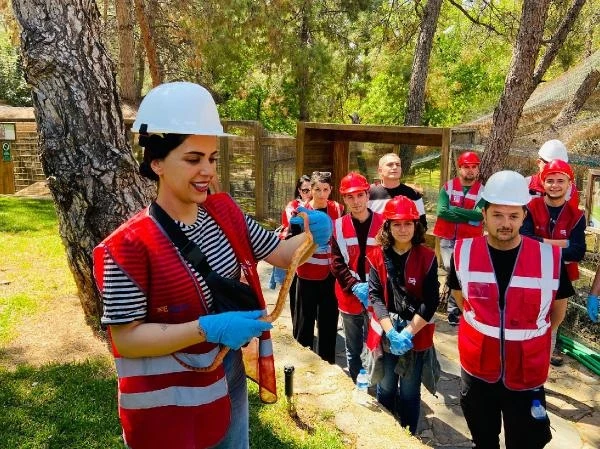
<point>573,395</point>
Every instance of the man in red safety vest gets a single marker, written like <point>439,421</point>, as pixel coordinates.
<point>459,214</point>
<point>512,292</point>
<point>551,219</point>
<point>352,244</point>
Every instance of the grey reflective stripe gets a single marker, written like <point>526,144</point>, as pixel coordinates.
<point>177,395</point>
<point>341,241</point>
<point>150,366</point>
<point>378,205</point>
<point>265,347</point>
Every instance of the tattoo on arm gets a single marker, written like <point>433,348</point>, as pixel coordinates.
<point>164,326</point>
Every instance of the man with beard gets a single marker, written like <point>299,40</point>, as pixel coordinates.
<point>459,214</point>
<point>553,220</point>
<point>512,292</point>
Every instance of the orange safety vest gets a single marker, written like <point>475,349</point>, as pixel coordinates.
<point>316,268</point>
<point>566,221</point>
<point>418,264</point>
<point>511,344</point>
<point>161,403</point>
<point>450,230</point>
<point>345,236</point>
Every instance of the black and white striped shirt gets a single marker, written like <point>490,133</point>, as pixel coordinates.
<point>123,300</point>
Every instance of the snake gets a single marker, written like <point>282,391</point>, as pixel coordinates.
<point>300,255</point>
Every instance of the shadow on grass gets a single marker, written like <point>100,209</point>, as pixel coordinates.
<point>60,406</point>
<point>26,214</point>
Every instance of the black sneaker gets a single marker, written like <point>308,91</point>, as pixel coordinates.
<point>556,360</point>
<point>453,319</point>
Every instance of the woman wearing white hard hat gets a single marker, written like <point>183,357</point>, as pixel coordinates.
<point>549,151</point>
<point>512,291</point>
<point>166,277</point>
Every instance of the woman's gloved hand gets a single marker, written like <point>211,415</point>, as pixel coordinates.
<point>400,342</point>
<point>319,223</point>
<point>233,329</point>
<point>592,307</point>
<point>361,291</point>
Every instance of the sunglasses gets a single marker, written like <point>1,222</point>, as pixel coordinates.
<point>305,190</point>
<point>325,174</point>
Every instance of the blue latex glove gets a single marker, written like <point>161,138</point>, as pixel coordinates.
<point>592,307</point>
<point>400,342</point>
<point>319,223</point>
<point>233,329</point>
<point>361,291</point>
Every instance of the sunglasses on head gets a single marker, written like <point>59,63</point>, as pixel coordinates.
<point>325,174</point>
<point>305,190</point>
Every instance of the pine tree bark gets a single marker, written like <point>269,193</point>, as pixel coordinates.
<point>91,172</point>
<point>127,60</point>
<point>571,109</point>
<point>156,72</point>
<point>517,87</point>
<point>418,78</point>
<point>522,79</point>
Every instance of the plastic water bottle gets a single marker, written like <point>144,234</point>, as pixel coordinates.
<point>361,392</point>
<point>537,410</point>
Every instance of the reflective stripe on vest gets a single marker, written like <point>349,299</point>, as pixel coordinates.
<point>152,366</point>
<point>176,395</point>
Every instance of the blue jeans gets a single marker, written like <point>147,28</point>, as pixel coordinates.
<point>237,436</point>
<point>355,333</point>
<point>401,396</point>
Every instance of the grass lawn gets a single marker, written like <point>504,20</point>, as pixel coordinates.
<point>73,405</point>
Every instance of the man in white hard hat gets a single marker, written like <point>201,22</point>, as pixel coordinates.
<point>551,220</point>
<point>551,150</point>
<point>511,290</point>
<point>390,171</point>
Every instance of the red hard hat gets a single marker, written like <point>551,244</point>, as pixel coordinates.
<point>468,158</point>
<point>400,208</point>
<point>353,182</point>
<point>557,166</point>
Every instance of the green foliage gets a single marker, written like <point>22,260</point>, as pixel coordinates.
<point>13,88</point>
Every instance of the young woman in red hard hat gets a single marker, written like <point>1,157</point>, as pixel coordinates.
<point>404,294</point>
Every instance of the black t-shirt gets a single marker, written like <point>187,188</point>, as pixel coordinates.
<point>362,233</point>
<point>504,264</point>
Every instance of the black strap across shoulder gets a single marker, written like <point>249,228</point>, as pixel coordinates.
<point>189,250</point>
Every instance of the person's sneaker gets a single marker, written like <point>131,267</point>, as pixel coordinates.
<point>556,359</point>
<point>453,319</point>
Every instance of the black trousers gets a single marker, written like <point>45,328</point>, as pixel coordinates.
<point>293,303</point>
<point>315,301</point>
<point>487,405</point>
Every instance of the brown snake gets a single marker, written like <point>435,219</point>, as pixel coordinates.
<point>303,252</point>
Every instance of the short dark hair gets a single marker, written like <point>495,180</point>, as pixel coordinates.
<point>157,146</point>
<point>487,205</point>
<point>385,239</point>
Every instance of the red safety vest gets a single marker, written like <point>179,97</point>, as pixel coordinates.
<point>345,236</point>
<point>514,344</point>
<point>286,214</point>
<point>316,268</point>
<point>161,403</point>
<point>450,230</point>
<point>417,266</point>
<point>566,221</point>
<point>536,189</point>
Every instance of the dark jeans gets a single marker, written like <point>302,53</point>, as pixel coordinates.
<point>315,301</point>
<point>486,406</point>
<point>401,396</point>
<point>355,335</point>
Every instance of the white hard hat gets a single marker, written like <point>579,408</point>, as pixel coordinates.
<point>179,108</point>
<point>553,149</point>
<point>508,188</point>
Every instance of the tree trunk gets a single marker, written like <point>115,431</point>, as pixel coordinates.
<point>126,51</point>
<point>302,73</point>
<point>571,109</point>
<point>418,78</point>
<point>517,87</point>
<point>520,82</point>
<point>156,72</point>
<point>85,155</point>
